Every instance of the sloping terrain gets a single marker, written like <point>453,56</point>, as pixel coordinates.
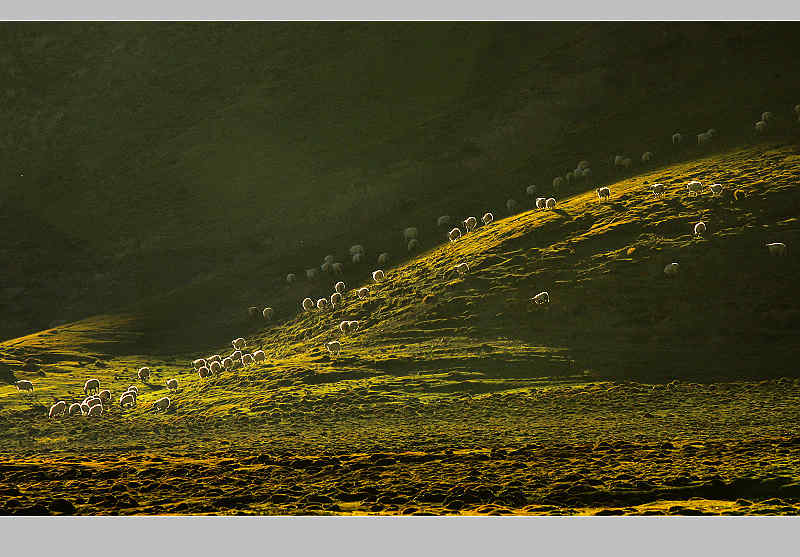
<point>630,392</point>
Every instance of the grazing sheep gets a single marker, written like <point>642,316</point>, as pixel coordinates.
<point>336,300</point>
<point>550,203</point>
<point>227,363</point>
<point>236,355</point>
<point>128,399</point>
<point>569,175</point>
<point>676,138</point>
<point>247,360</point>
<point>328,259</point>
<point>95,410</point>
<point>410,233</point>
<point>647,156</point>
<point>74,408</point>
<point>694,187</point>
<point>444,220</point>
<point>238,344</point>
<point>777,248</point>
<point>311,274</point>
<point>322,303</point>
<point>716,189</point>
<point>215,358</point>
<point>658,189</point>
<point>454,234</point>
<point>291,277</point>
<point>91,385</point>
<point>541,298</point>
<point>363,292</point>
<point>93,401</point>
<point>618,160</point>
<point>267,313</point>
<point>353,325</point>
<point>557,181</point>
<point>85,408</point>
<point>603,193</point>
<point>105,396</point>
<point>199,362</point>
<point>541,202</point>
<point>470,223</point>
<point>308,304</point>
<point>383,258</point>
<point>215,367</point>
<point>488,218</point>
<point>766,116</point>
<point>252,311</point>
<point>412,244</point>
<point>24,385</point>
<point>259,356</point>
<point>356,248</point>
<point>583,165</point>
<point>357,258</point>
<point>337,268</point>
<point>531,190</point>
<point>462,269</point>
<point>162,404</point>
<point>626,162</point>
<point>344,327</point>
<point>378,276</point>
<point>326,267</point>
<point>339,287</point>
<point>133,389</point>
<point>172,384</point>
<point>334,347</point>
<point>204,372</point>
<point>511,205</point>
<point>57,409</point>
<point>699,228</point>
<point>671,269</point>
<point>761,126</point>
<point>704,137</point>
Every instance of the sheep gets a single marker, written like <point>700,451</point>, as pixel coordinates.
<point>105,396</point>
<point>353,326</point>
<point>252,311</point>
<point>412,244</point>
<point>328,259</point>
<point>363,292</point>
<point>307,304</point>
<point>587,172</point>
<point>227,363</point>
<point>557,181</point>
<point>657,190</point>
<point>716,189</point>
<point>24,385</point>
<point>57,409</point>
<point>618,160</point>
<point>311,274</point>
<point>267,313</point>
<point>129,399</point>
<point>337,268</point>
<point>647,156</point>
<point>550,203</point>
<point>133,389</point>
<point>454,234</point>
<point>204,372</point>
<point>766,116</point>
<point>162,404</point>
<point>443,220</point>
<point>91,385</point>
<point>603,193</point>
<point>569,175</point>
<point>144,374</point>
<point>215,358</point>
<point>95,410</point>
<point>704,137</point>
<point>511,205</point>
<point>334,347</point>
<point>74,408</point>
<point>671,269</point>
<point>470,223</point>
<point>676,138</point>
<point>410,233</point>
<point>236,355</point>
<point>238,343</point>
<point>541,298</point>
<point>797,109</point>
<point>291,277</point>
<point>172,384</point>
<point>357,258</point>
<point>699,228</point>
<point>583,165</point>
<point>247,360</point>
<point>93,401</point>
<point>462,269</point>
<point>694,187</point>
<point>541,202</point>
<point>198,363</point>
<point>344,327</point>
<point>531,190</point>
<point>761,126</point>
<point>215,367</point>
<point>326,267</point>
<point>488,218</point>
<point>336,300</point>
<point>776,248</point>
<point>322,303</point>
<point>259,356</point>
<point>356,248</point>
<point>626,162</point>
<point>378,276</point>
<point>383,258</point>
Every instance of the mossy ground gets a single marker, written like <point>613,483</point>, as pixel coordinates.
<point>630,393</point>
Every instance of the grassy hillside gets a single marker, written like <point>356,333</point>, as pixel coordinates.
<point>178,171</point>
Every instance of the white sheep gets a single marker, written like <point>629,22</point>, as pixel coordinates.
<point>267,313</point>
<point>291,277</point>
<point>412,244</point>
<point>128,399</point>
<point>761,126</point>
<point>85,408</point>
<point>247,360</point>
<point>57,409</point>
<point>74,408</point>
<point>236,355</point>
<point>383,258</point>
<point>95,410</point>
<point>105,396</point>
<point>541,298</point>
<point>326,267</point>
<point>336,300</point>
<point>93,401</point>
<point>410,233</point>
<point>199,362</point>
<point>308,304</point>
<point>583,165</point>
<point>647,156</point>
<point>215,367</point>
<point>215,358</point>
<point>626,162</point>
<point>777,248</point>
<point>353,325</point>
<point>204,372</point>
<point>550,203</point>
<point>511,205</point>
<point>603,193</point>
<point>443,220</point>
<point>487,218</point>
<point>252,311</point>
<point>699,228</point>
<point>531,190</point>
<point>378,276</point>
<point>557,182</point>
<point>227,363</point>
<point>357,258</point>
<point>337,268</point>
<point>541,202</point>
<point>694,187</point>
<point>311,274</point>
<point>704,137</point>
<point>259,356</point>
<point>676,138</point>
<point>363,292</point>
<point>238,344</point>
<point>334,347</point>
<point>172,384</point>
<point>766,116</point>
<point>671,269</point>
<point>91,385</point>
<point>462,269</point>
<point>618,160</point>
<point>357,248</point>
<point>454,234</point>
<point>24,385</point>
<point>344,327</point>
<point>470,223</point>
<point>657,190</point>
<point>328,259</point>
<point>716,189</point>
<point>339,287</point>
<point>322,303</point>
<point>162,404</point>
